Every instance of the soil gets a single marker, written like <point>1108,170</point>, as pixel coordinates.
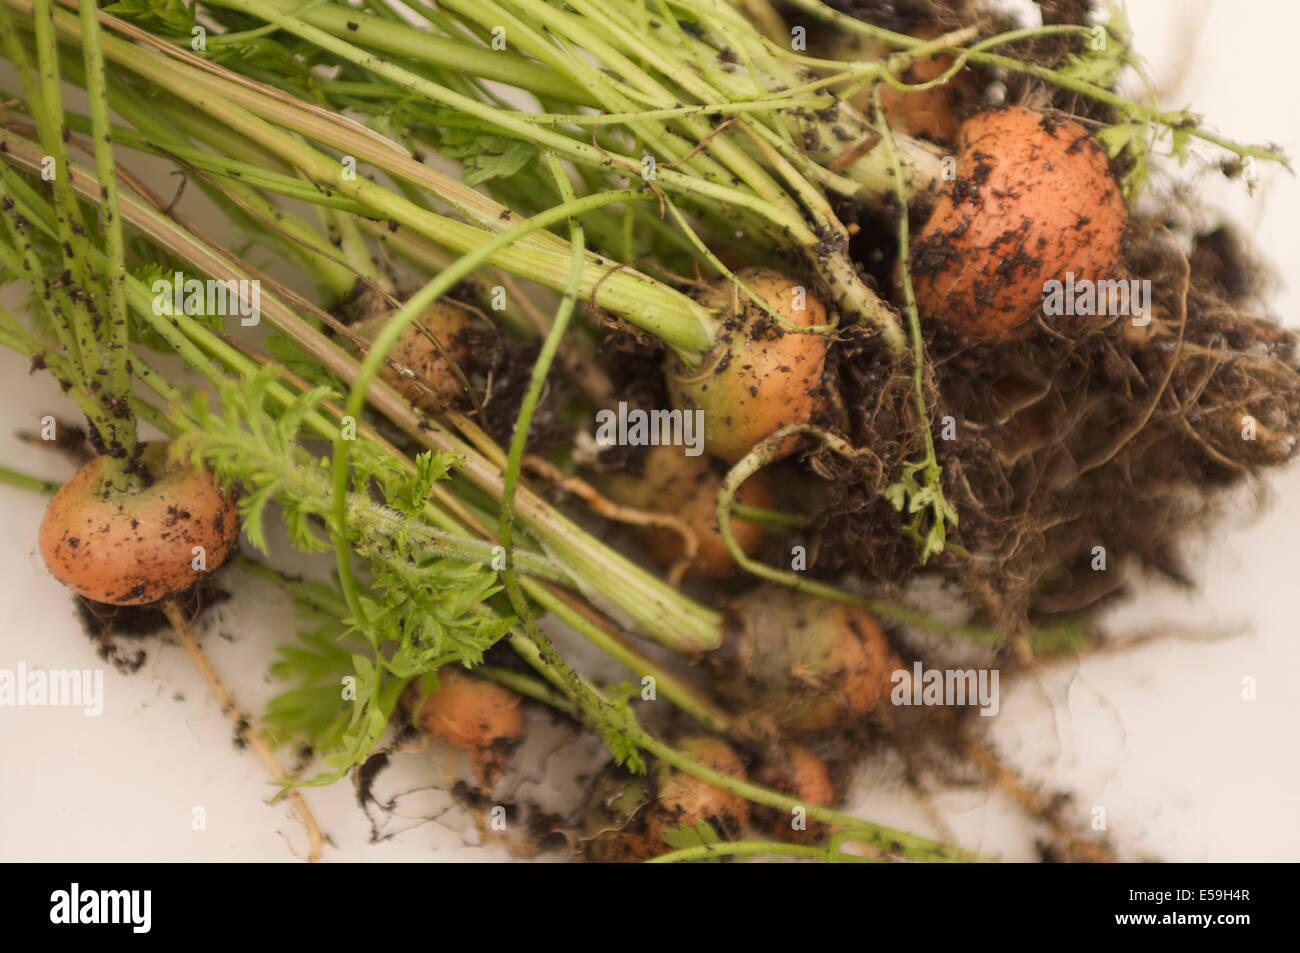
<point>1070,444</point>
<point>508,378</point>
<point>121,634</point>
<point>1065,439</point>
<point>1109,437</point>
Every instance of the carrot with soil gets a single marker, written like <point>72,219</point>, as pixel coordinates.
<point>753,350</point>
<point>1034,201</point>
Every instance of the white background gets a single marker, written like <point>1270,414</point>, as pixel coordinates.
<point>1158,736</point>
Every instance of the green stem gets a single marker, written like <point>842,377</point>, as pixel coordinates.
<point>527,686</point>
<point>402,319</point>
<point>668,314</point>
<point>634,597</point>
<point>776,520</point>
<point>117,378</point>
<point>105,167</point>
<point>1089,90</point>
<point>26,262</point>
<point>47,110</point>
<point>542,366</point>
<point>26,482</point>
<point>425,46</point>
<point>909,295</point>
<point>754,848</point>
<point>681,694</point>
<point>520,437</point>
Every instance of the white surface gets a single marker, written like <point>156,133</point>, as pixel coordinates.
<point>1158,736</point>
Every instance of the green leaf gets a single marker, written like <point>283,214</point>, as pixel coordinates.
<point>139,329</point>
<point>252,508</point>
<point>497,158</point>
<point>683,837</point>
<point>930,510</point>
<point>1099,69</point>
<point>896,495</point>
<point>160,16</point>
<point>1180,138</point>
<point>1115,139</point>
<point>408,495</point>
<point>424,608</point>
<point>623,749</point>
<point>286,352</point>
<point>302,533</point>
<point>934,541</point>
<point>268,60</point>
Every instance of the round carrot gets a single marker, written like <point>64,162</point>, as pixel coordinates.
<point>759,376</point>
<point>1034,201</point>
<point>142,547</point>
<point>443,321</point>
<point>805,664</point>
<point>686,487</point>
<point>480,717</point>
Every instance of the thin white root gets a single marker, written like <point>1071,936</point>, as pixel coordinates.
<point>243,723</point>
<point>1004,777</point>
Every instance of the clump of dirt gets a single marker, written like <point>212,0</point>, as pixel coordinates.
<point>878,413</point>
<point>120,633</point>
<point>507,380</point>
<point>637,366</point>
<point>497,370</point>
<point>542,830</point>
<point>907,16</point>
<point>1073,454</point>
<point>1070,451</point>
